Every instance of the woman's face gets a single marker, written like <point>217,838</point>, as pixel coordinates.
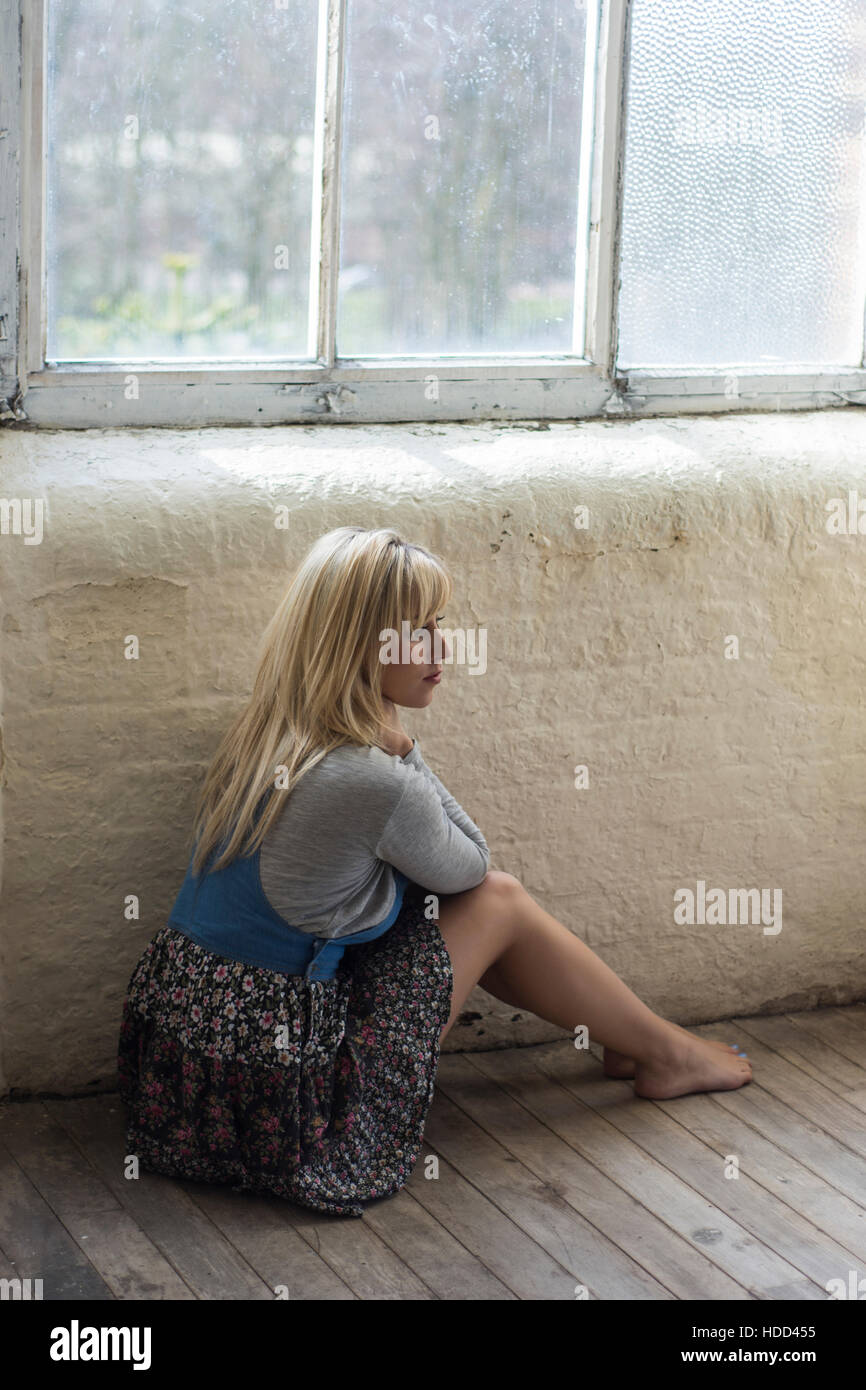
<point>408,683</point>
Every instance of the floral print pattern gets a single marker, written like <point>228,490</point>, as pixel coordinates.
<point>313,1090</point>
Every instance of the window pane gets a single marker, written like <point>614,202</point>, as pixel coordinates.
<point>742,210</point>
<point>462,142</point>
<point>180,154</point>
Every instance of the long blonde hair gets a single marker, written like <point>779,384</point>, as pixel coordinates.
<point>319,680</point>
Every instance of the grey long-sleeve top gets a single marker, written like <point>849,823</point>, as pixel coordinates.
<point>326,862</point>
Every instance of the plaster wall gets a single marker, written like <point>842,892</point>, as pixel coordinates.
<point>606,647</point>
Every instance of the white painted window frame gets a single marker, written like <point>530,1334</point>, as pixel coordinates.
<point>366,390</point>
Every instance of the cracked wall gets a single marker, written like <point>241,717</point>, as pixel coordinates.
<point>605,650</point>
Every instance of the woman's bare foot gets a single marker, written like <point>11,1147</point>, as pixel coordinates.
<point>622,1068</point>
<point>689,1064</point>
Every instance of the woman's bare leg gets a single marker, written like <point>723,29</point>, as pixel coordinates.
<point>499,937</point>
<point>616,1064</point>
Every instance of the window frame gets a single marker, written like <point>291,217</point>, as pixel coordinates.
<point>368,390</point>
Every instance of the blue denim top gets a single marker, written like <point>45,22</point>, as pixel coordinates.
<point>228,913</point>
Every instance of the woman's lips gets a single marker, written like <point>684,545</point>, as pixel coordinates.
<point>434,680</point>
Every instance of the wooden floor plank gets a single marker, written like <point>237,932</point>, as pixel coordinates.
<point>836,1116</point>
<point>810,1053</point>
<point>761,1217</point>
<point>842,1029</point>
<point>354,1251</point>
<point>105,1232</point>
<point>38,1245</point>
<point>550,1177</point>
<point>697,1239</point>
<point>7,1268</point>
<point>801,1290</point>
<point>203,1258</point>
<point>348,1250</point>
<point>808,1143</point>
<point>587,1184</point>
<point>256,1226</point>
<point>429,1248</point>
<point>483,1228</point>
<point>771,1167</point>
<point>534,1209</point>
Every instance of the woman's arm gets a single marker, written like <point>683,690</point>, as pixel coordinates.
<point>429,846</point>
<point>395,740</point>
<point>453,810</point>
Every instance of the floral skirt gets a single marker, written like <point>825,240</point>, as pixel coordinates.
<point>313,1090</point>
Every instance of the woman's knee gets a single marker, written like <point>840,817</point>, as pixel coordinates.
<point>504,894</point>
<point>480,924</point>
<point>502,884</point>
<point>493,901</point>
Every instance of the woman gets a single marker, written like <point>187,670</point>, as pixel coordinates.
<point>282,1030</point>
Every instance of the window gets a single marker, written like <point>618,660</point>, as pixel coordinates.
<point>319,210</point>
<point>743,191</point>
<point>463,226</point>
<point>179,151</point>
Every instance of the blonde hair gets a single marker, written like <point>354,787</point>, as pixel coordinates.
<point>319,679</point>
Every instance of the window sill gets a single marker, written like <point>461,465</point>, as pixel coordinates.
<point>393,391</point>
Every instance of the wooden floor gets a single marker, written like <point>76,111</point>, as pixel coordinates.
<point>550,1177</point>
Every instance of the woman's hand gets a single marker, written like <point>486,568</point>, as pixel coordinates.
<point>392,736</point>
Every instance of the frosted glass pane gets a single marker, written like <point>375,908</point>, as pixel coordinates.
<point>179,177</point>
<point>460,176</point>
<point>742,233</point>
